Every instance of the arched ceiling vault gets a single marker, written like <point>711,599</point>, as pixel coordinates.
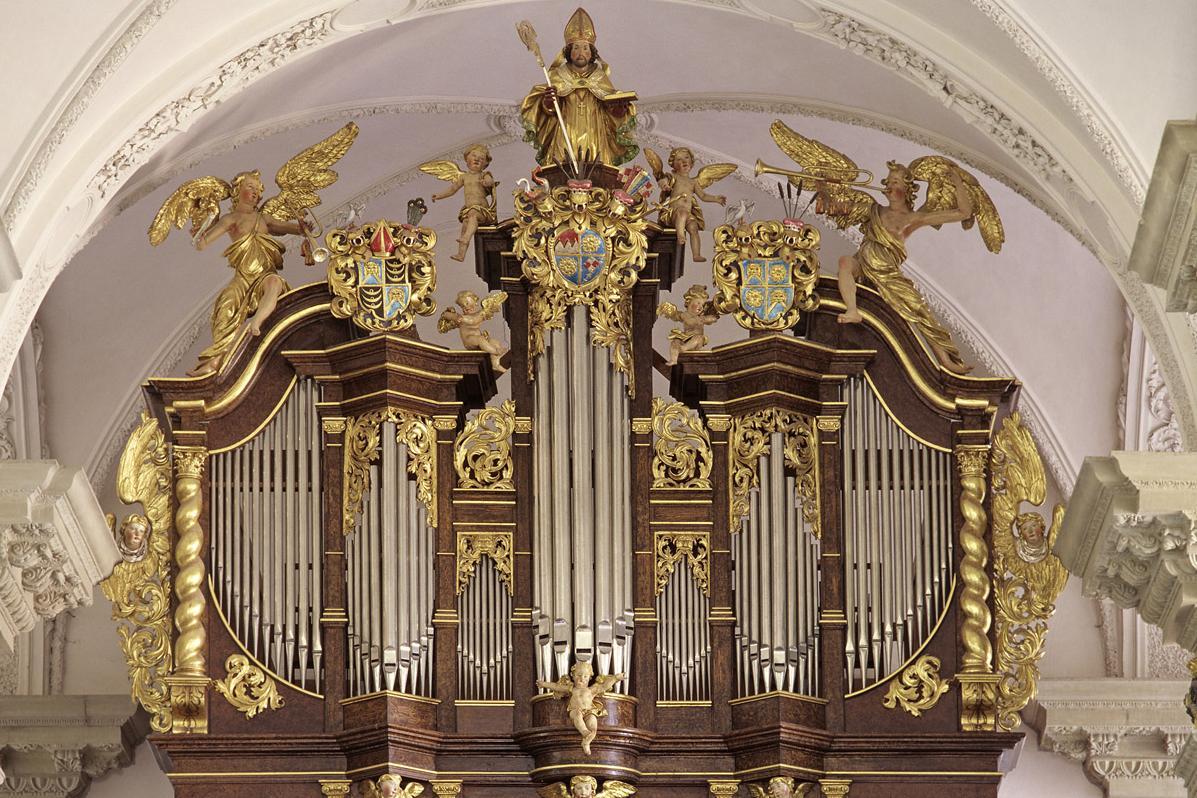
<point>432,74</point>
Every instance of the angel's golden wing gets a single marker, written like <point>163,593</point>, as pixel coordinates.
<point>654,162</point>
<point>847,206</point>
<point>445,170</point>
<point>308,172</point>
<point>712,173</point>
<point>937,170</point>
<point>143,473</point>
<point>413,789</point>
<point>492,304</point>
<point>616,789</point>
<point>197,200</point>
<point>558,790</point>
<point>669,311</point>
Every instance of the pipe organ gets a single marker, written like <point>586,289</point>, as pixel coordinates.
<point>364,564</point>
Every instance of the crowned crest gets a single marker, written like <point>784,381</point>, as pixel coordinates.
<point>382,274</point>
<point>582,245</point>
<point>766,273</point>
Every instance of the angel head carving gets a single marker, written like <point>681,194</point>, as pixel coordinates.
<point>1030,537</point>
<point>133,538</point>
<point>780,787</point>
<point>390,786</point>
<point>587,787</point>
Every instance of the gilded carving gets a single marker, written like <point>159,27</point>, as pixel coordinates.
<point>188,703</point>
<point>390,786</point>
<point>382,274</point>
<point>976,669</point>
<point>671,547</point>
<point>247,687</point>
<point>139,589</point>
<point>749,439</point>
<point>190,676</point>
<point>587,787</point>
<point>918,688</point>
<point>681,447</point>
<point>581,246</point>
<point>445,788</point>
<point>472,546</point>
<point>765,273</point>
<point>777,787</point>
<point>724,789</point>
<point>335,789</point>
<point>482,453</point>
<point>1028,577</point>
<point>362,448</point>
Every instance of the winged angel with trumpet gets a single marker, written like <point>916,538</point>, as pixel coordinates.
<point>255,255</point>
<point>953,195</point>
<point>587,787</point>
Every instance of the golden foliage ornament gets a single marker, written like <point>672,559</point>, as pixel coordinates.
<point>1028,578</point>
<point>362,448</point>
<point>482,452</point>
<point>749,439</point>
<point>681,447</point>
<point>472,546</point>
<point>581,246</point>
<point>247,687</point>
<point>382,274</point>
<point>918,688</point>
<point>671,547</point>
<point>139,588</point>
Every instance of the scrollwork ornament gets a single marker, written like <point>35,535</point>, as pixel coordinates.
<point>749,439</point>
<point>1028,577</point>
<point>765,273</point>
<point>473,546</point>
<point>681,447</point>
<point>362,447</point>
<point>672,547</point>
<point>140,589</point>
<point>581,246</point>
<point>918,688</point>
<point>382,274</point>
<point>482,452</point>
<point>247,687</point>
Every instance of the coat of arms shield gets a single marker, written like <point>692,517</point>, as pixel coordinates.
<point>766,287</point>
<point>382,287</point>
<point>580,255</point>
<point>381,274</point>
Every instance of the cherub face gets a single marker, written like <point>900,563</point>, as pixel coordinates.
<point>388,789</point>
<point>1031,528</point>
<point>682,163</point>
<point>250,191</point>
<point>133,534</point>
<point>778,790</point>
<point>468,303</point>
<point>895,185</point>
<point>583,790</point>
<point>695,305</point>
<point>580,54</point>
<point>475,161</point>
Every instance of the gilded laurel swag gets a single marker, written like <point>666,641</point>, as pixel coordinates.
<point>362,439</point>
<point>1028,577</point>
<point>247,687</point>
<point>473,546</point>
<point>749,439</point>
<point>671,547</point>
<point>482,453</point>
<point>581,246</point>
<point>681,447</point>
<point>140,586</point>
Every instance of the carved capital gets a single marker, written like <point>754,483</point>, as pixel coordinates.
<point>835,788</point>
<point>333,426</point>
<point>971,460</point>
<point>726,789</point>
<point>445,788</point>
<point>334,788</point>
<point>189,461</point>
<point>978,701</point>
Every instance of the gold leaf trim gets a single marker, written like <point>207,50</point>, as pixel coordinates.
<point>247,687</point>
<point>362,448</point>
<point>749,440</point>
<point>918,688</point>
<point>482,452</point>
<point>671,547</point>
<point>681,447</point>
<point>472,546</point>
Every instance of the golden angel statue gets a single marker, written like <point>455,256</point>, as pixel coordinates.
<point>479,187</point>
<point>780,787</point>
<point>468,321</point>
<point>584,705</point>
<point>598,120</point>
<point>255,255</point>
<point>953,195</point>
<point>696,314</point>
<point>681,193</point>
<point>587,787</point>
<point>388,786</point>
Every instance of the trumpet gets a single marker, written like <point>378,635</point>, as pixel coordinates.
<point>763,168</point>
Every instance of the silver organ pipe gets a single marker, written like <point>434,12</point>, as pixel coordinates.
<point>582,511</point>
<point>683,640</point>
<point>897,538</point>
<point>775,557</point>
<point>267,540</point>
<point>484,642</point>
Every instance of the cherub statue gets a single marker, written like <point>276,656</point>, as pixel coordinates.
<point>388,786</point>
<point>681,191</point>
<point>780,787</point>
<point>953,195</point>
<point>255,255</point>
<point>584,705</point>
<point>479,187</point>
<point>587,787</point>
<point>697,313</point>
<point>468,320</point>
<point>133,538</point>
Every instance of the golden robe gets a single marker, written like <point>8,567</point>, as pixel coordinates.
<point>596,134</point>
<point>880,257</point>
<point>253,257</point>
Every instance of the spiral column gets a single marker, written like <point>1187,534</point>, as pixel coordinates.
<point>978,682</point>
<point>189,681</point>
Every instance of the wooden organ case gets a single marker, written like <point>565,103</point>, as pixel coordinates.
<point>357,567</point>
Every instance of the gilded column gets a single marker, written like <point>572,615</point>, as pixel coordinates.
<point>444,617</point>
<point>978,682</point>
<point>189,681</point>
